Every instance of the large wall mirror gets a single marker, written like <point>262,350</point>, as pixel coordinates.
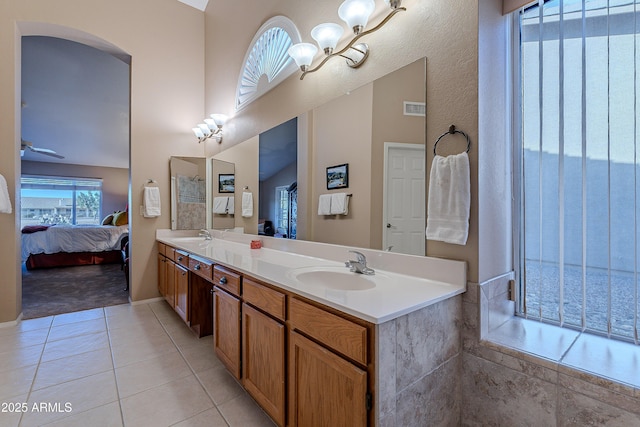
<point>378,130</point>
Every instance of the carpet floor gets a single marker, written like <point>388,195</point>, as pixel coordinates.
<point>51,291</point>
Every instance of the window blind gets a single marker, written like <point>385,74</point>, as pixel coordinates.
<point>579,156</point>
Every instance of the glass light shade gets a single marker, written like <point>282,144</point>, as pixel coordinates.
<point>211,123</point>
<point>219,119</point>
<point>303,53</point>
<point>356,13</point>
<point>198,132</point>
<point>205,129</point>
<point>327,36</point>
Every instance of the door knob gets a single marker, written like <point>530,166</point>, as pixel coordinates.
<point>388,225</point>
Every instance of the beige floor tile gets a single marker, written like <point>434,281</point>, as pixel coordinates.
<point>27,325</point>
<point>164,311</point>
<point>181,334</point>
<point>126,319</point>
<point>209,418</point>
<point>71,368</point>
<point>243,411</point>
<point>23,339</point>
<point>11,418</point>
<point>77,316</point>
<point>135,332</point>
<point>220,384</point>
<point>143,349</point>
<point>140,376</point>
<point>72,346</point>
<point>16,382</point>
<point>126,309</point>
<point>20,357</point>
<point>104,416</point>
<point>166,405</point>
<point>71,330</point>
<point>82,395</point>
<point>200,356</point>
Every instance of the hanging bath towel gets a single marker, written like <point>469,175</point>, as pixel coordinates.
<point>5,201</point>
<point>339,204</point>
<point>449,199</point>
<point>247,204</point>
<point>151,202</point>
<point>231,205</point>
<point>220,205</point>
<point>324,204</point>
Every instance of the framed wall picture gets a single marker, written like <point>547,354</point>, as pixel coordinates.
<point>226,183</point>
<point>338,176</point>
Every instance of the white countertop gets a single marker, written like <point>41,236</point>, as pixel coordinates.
<point>391,295</point>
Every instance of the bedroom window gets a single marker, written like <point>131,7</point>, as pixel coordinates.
<point>59,200</point>
<point>579,164</point>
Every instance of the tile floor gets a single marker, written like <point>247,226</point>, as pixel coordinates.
<point>122,365</point>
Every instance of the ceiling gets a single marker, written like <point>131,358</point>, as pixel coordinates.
<point>75,101</point>
<point>198,4</point>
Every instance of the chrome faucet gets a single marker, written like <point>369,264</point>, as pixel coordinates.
<point>205,233</point>
<point>359,266</point>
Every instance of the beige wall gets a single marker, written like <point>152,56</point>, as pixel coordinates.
<point>337,141</point>
<point>165,39</point>
<point>245,158</point>
<point>115,181</point>
<point>444,31</point>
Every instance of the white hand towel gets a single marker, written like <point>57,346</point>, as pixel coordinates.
<point>5,201</point>
<point>247,204</point>
<point>220,205</point>
<point>449,199</point>
<point>324,204</point>
<point>231,205</point>
<point>339,204</point>
<point>151,202</point>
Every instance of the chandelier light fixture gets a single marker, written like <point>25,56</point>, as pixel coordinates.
<point>355,13</point>
<point>211,128</point>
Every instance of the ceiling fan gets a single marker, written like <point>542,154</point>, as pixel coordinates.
<point>26,145</point>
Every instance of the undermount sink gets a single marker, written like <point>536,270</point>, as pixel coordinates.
<point>338,278</point>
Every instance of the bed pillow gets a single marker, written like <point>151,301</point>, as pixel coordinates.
<point>120,218</point>
<point>108,220</point>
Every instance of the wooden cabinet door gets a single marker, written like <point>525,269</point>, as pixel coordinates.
<point>162,274</point>
<point>226,329</point>
<point>324,389</point>
<point>263,361</point>
<point>182,292</point>
<point>170,276</point>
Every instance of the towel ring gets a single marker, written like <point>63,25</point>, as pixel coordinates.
<point>452,130</point>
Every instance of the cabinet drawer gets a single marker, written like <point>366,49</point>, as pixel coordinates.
<point>170,252</point>
<point>342,335</point>
<point>162,248</point>
<point>227,279</point>
<point>182,258</point>
<point>269,300</point>
<point>201,267</point>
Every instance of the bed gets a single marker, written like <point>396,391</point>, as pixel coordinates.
<point>67,245</point>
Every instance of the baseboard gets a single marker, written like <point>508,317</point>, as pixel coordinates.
<point>11,322</point>
<point>145,301</point>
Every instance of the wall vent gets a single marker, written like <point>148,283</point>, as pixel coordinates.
<point>415,109</point>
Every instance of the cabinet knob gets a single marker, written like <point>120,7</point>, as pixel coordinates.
<point>179,258</point>
<point>211,291</point>
<point>223,280</point>
<point>197,267</point>
<point>388,225</point>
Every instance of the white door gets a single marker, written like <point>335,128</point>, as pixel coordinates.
<point>404,198</point>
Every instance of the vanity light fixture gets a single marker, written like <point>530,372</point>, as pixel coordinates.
<point>211,128</point>
<point>355,13</point>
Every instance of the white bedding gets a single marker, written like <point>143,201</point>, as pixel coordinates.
<point>73,238</point>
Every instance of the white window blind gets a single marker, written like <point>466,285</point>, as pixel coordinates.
<point>579,242</point>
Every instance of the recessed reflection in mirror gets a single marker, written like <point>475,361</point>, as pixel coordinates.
<point>188,193</point>
<point>277,173</point>
<point>223,194</point>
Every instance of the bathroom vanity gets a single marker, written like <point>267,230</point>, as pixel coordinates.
<point>310,340</point>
